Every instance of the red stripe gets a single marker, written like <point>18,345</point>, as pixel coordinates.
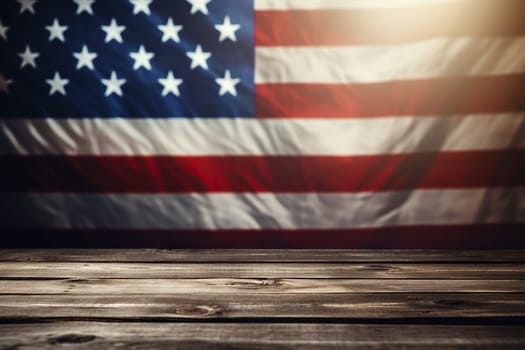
<point>490,236</point>
<point>442,96</point>
<point>389,26</point>
<point>135,174</point>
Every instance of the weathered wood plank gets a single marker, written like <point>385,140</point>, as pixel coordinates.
<point>257,336</point>
<point>250,306</point>
<point>255,255</point>
<point>254,286</point>
<point>267,270</point>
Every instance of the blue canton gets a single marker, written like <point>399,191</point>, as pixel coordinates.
<point>126,58</point>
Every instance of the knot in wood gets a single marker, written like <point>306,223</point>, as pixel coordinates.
<point>256,284</point>
<point>198,311</point>
<point>72,339</point>
<point>450,302</point>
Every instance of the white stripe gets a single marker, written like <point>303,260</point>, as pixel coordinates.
<point>365,64</point>
<point>263,210</point>
<point>343,4</point>
<point>261,136</point>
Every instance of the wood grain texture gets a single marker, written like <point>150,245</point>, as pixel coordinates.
<point>261,256</point>
<point>250,306</point>
<point>255,299</point>
<point>81,335</point>
<point>254,286</point>
<point>261,270</point>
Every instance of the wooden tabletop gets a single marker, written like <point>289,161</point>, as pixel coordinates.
<point>262,299</point>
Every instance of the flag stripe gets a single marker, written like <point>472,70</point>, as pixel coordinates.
<point>218,211</point>
<point>486,236</point>
<point>347,4</point>
<point>367,64</point>
<point>263,174</point>
<point>357,26</point>
<point>196,137</point>
<point>467,95</point>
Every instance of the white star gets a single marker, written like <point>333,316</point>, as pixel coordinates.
<point>113,84</point>
<point>227,29</point>
<point>28,57</point>
<point>113,31</point>
<point>142,58</point>
<point>141,6</point>
<point>170,31</point>
<point>4,84</point>
<point>84,5</point>
<point>56,31</point>
<point>57,84</point>
<point>227,84</point>
<point>199,5</point>
<point>3,30</point>
<point>27,5</point>
<point>170,84</point>
<point>198,58</point>
<point>85,58</point>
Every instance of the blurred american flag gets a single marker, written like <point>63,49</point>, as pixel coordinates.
<point>232,123</point>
